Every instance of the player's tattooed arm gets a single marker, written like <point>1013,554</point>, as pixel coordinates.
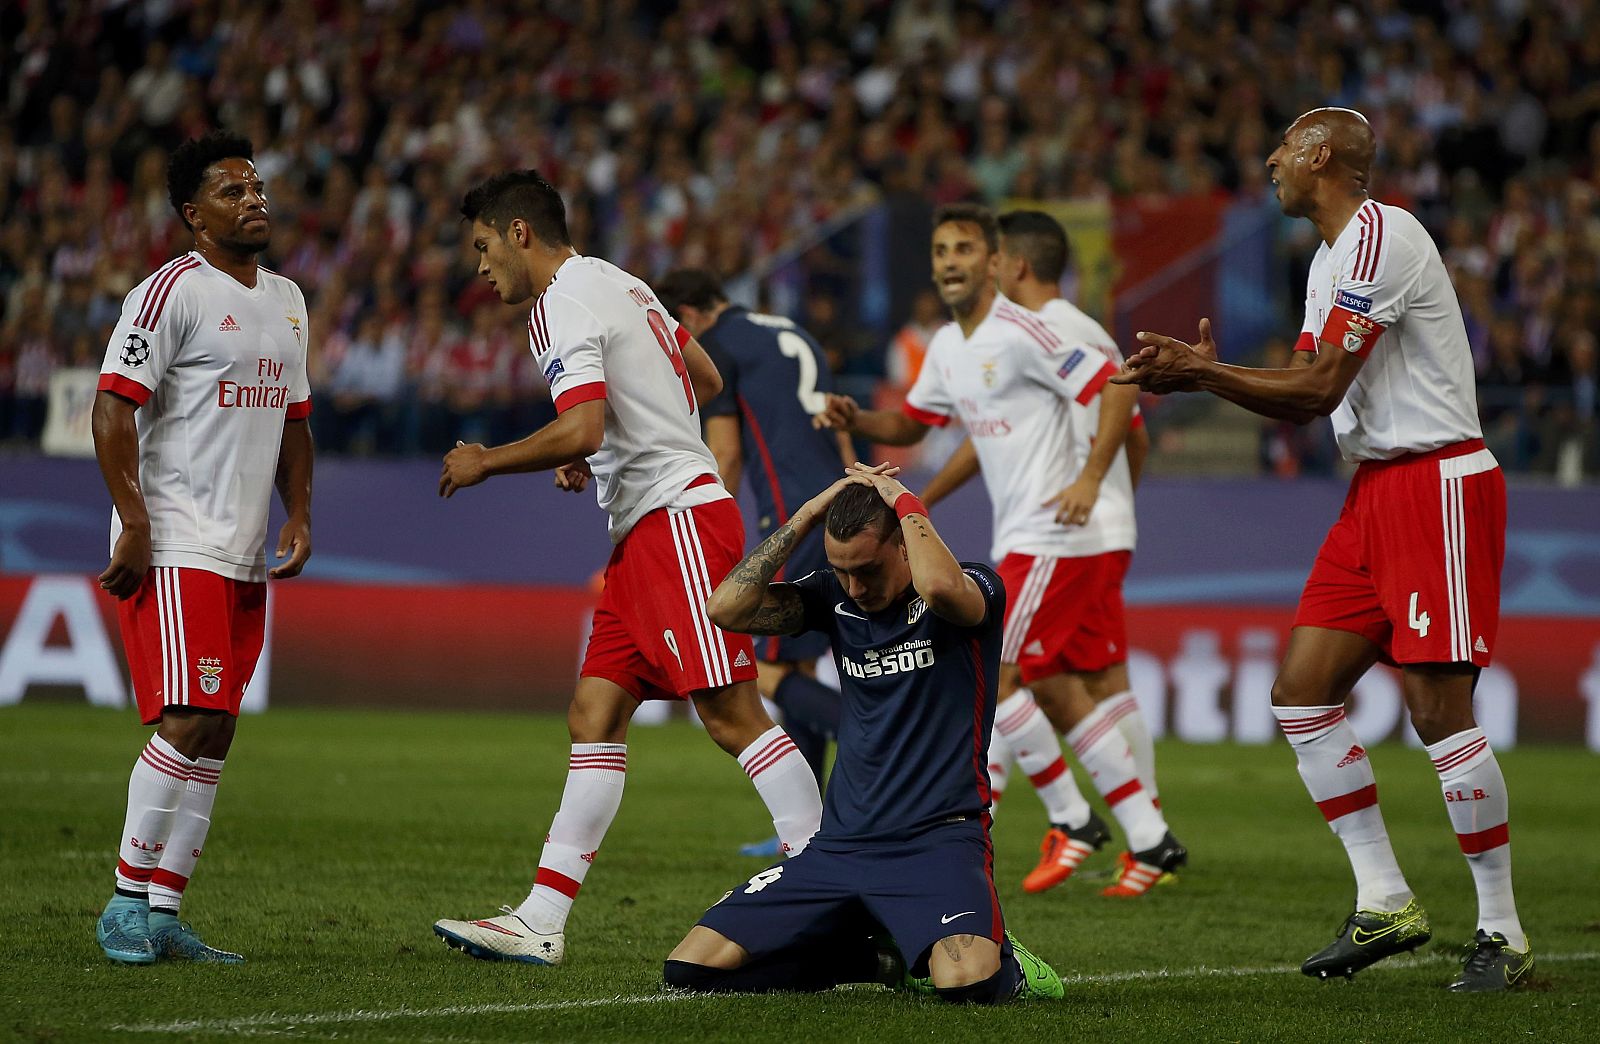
<point>748,601</point>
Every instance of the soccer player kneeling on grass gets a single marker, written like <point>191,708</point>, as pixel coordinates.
<point>899,880</point>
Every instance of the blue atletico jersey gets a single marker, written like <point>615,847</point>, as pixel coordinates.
<point>773,379</point>
<point>918,707</point>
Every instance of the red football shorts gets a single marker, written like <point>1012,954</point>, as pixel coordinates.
<point>193,638</point>
<point>1064,615</point>
<point>1413,563</point>
<point>651,634</point>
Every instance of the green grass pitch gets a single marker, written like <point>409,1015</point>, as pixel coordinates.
<point>340,836</point>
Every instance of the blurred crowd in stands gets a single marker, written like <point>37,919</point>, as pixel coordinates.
<point>722,133</point>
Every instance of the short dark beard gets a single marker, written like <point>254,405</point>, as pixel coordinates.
<point>243,249</point>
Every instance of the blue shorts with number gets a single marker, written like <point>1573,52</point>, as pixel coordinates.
<point>807,558</point>
<point>935,885</point>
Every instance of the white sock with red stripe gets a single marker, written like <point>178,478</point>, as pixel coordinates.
<point>1000,758</point>
<point>155,790</point>
<point>785,783</point>
<point>1099,745</point>
<point>1038,750</point>
<point>1475,796</point>
<point>1339,777</point>
<point>1130,722</point>
<point>595,775</point>
<point>188,836</point>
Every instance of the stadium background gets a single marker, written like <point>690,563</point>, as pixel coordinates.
<point>798,149</point>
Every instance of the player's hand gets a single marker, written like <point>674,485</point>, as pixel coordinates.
<point>1075,503</point>
<point>1166,364</point>
<point>463,466</point>
<point>880,477</point>
<point>838,411</point>
<point>294,541</point>
<point>130,560</point>
<point>574,477</point>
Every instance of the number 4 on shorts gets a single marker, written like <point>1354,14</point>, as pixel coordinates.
<point>1419,623</point>
<point>764,878</point>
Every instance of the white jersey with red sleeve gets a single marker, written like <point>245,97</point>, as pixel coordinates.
<point>215,368</point>
<point>599,333</point>
<point>1074,326</point>
<point>1382,291</point>
<point>1019,388</point>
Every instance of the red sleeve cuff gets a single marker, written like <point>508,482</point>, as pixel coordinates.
<point>1096,382</point>
<point>300,410</point>
<point>684,336</point>
<point>1307,342</point>
<point>1354,333</point>
<point>123,386</point>
<point>921,416</point>
<point>582,393</point>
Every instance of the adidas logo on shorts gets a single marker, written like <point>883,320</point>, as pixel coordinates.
<point>742,660</point>
<point>1034,648</point>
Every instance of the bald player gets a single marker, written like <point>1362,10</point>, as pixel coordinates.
<point>1410,572</point>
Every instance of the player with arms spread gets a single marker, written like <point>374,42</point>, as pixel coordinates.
<point>1410,572</point>
<point>1074,625</point>
<point>1015,384</point>
<point>904,845</point>
<point>774,378</point>
<point>627,382</point>
<point>202,408</point>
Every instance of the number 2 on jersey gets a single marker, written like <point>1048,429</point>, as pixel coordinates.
<point>658,326</point>
<point>796,348</point>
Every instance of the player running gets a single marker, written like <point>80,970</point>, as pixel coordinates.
<point>1070,628</point>
<point>774,378</point>
<point>1015,383</point>
<point>904,844</point>
<point>1410,572</point>
<point>627,382</point>
<point>202,408</point>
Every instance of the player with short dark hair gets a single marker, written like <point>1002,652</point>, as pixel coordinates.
<point>202,407</point>
<point>627,381</point>
<point>1019,389</point>
<point>1410,572</point>
<point>904,846</point>
<point>1064,629</point>
<point>774,377</point>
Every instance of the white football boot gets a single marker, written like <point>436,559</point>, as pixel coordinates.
<point>505,938</point>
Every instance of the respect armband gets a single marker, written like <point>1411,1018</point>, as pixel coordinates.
<point>908,504</point>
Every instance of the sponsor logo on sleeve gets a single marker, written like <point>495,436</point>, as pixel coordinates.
<point>1353,302</point>
<point>1072,362</point>
<point>553,372</point>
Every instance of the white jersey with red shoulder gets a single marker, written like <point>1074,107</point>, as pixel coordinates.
<point>1074,326</point>
<point>1382,292</point>
<point>1015,384</point>
<point>216,367</point>
<point>599,333</point>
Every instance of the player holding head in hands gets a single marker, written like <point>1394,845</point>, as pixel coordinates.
<point>627,382</point>
<point>201,410</point>
<point>1069,629</point>
<point>904,845</point>
<point>1410,572</point>
<point>774,377</point>
<point>1018,387</point>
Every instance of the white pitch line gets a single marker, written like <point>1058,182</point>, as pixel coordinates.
<point>283,1021</point>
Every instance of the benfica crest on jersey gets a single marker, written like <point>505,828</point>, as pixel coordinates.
<point>210,675</point>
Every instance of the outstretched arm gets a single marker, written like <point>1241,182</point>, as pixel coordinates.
<point>1299,394</point>
<point>575,434</point>
<point>886,427</point>
<point>957,472</point>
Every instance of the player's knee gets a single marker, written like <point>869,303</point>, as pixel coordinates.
<point>1291,691</point>
<point>686,975</point>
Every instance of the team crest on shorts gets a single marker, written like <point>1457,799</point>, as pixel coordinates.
<point>210,675</point>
